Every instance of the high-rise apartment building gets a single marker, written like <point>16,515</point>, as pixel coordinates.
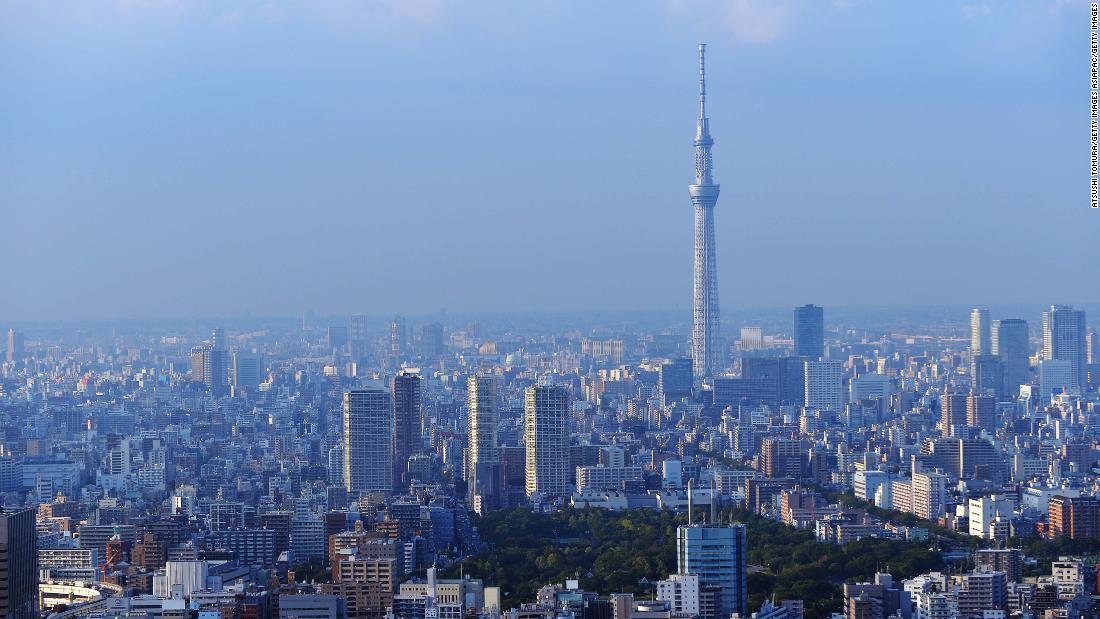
<point>546,433</point>
<point>809,332</point>
<point>824,385</point>
<point>408,421</point>
<point>210,363</point>
<point>18,564</point>
<point>706,339</point>
<point>1010,344</point>
<point>929,494</point>
<point>952,411</point>
<point>483,457</point>
<point>980,332</point>
<point>1074,517</point>
<point>781,457</point>
<point>716,554</point>
<point>1064,339</point>
<point>368,440</point>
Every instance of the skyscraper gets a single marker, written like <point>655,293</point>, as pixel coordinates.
<point>248,369</point>
<point>483,457</point>
<point>674,382</point>
<point>1064,339</point>
<point>952,411</point>
<point>15,346</point>
<point>18,564</point>
<point>357,337</point>
<point>431,340</point>
<point>1010,344</point>
<point>824,385</point>
<point>809,332</point>
<point>546,432</point>
<point>407,412</point>
<point>706,339</point>
<point>337,338</point>
<point>980,340</point>
<point>716,554</point>
<point>368,440</point>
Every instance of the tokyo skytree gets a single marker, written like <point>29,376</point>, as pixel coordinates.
<point>706,340</point>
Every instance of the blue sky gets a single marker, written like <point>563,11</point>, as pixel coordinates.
<point>165,158</point>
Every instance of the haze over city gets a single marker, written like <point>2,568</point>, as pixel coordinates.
<point>450,309</point>
<point>191,159</point>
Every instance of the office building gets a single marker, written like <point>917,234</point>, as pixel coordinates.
<point>18,564</point>
<point>546,434</point>
<point>368,441</point>
<point>716,554</point>
<point>675,380</point>
<point>1010,345</point>
<point>312,606</point>
<point>988,376</point>
<point>1056,376</point>
<point>809,332</point>
<point>707,353</point>
<point>408,421</point>
<point>431,340</point>
<point>248,370</point>
<point>358,344</point>
<point>337,338</point>
<point>1064,339</point>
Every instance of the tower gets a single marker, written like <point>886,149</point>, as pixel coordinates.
<point>716,554</point>
<point>18,564</point>
<point>483,456</point>
<point>546,433</point>
<point>368,441</point>
<point>809,332</point>
<point>15,346</point>
<point>1064,340</point>
<point>1010,344</point>
<point>407,411</point>
<point>706,339</point>
<point>980,333</point>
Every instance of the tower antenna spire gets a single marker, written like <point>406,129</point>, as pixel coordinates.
<point>702,81</point>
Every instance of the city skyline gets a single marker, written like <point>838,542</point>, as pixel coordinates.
<point>289,177</point>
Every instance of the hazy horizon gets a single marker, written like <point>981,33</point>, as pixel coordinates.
<point>167,159</point>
